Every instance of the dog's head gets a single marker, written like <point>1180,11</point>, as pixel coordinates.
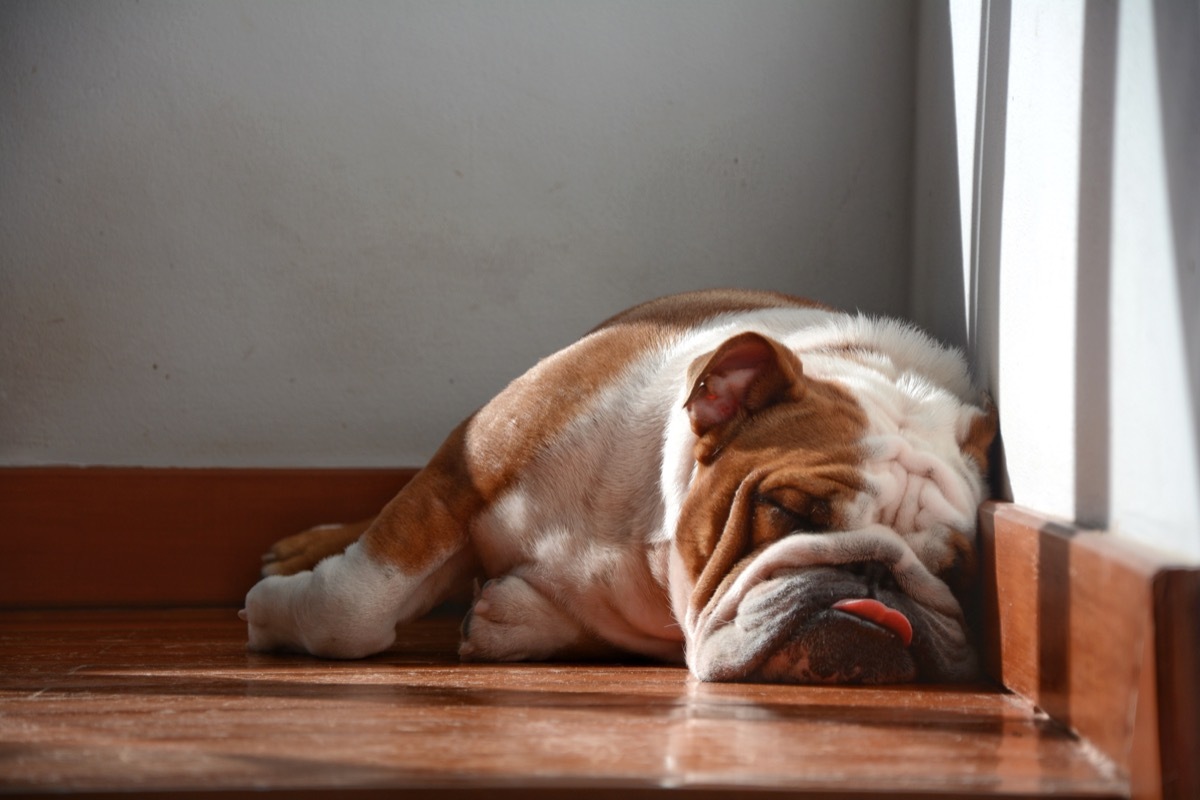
<point>827,531</point>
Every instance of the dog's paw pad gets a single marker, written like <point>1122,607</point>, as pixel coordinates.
<point>510,620</point>
<point>487,597</point>
<point>479,616</point>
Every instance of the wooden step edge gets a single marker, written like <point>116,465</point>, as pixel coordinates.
<point>1102,634</point>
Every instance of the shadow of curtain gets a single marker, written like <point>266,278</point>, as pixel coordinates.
<point>960,304</point>
<point>1177,40</point>
<point>937,295</point>
<point>988,203</point>
<point>1093,319</point>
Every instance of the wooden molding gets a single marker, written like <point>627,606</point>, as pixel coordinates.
<point>122,537</point>
<point>1101,634</point>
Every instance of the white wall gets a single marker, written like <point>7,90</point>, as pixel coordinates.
<point>1069,235</point>
<point>292,233</point>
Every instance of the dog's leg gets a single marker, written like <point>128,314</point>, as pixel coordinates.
<point>349,606</point>
<point>408,560</point>
<point>511,620</point>
<point>308,548</point>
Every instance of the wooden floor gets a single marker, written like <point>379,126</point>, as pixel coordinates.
<point>170,701</point>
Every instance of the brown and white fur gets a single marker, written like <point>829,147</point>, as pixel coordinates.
<point>701,478</point>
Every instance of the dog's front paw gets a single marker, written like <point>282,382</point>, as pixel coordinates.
<point>510,620</point>
<point>342,609</point>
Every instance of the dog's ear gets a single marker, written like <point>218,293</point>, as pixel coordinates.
<point>977,432</point>
<point>743,376</point>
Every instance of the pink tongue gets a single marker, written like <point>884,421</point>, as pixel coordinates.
<point>881,615</point>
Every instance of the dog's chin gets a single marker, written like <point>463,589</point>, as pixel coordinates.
<point>787,630</point>
<point>835,647</point>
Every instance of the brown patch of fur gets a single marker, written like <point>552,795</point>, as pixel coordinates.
<point>426,522</point>
<point>958,566</point>
<point>980,434</point>
<point>686,310</point>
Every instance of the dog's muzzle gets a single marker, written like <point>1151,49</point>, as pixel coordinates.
<point>883,620</point>
<point>810,625</point>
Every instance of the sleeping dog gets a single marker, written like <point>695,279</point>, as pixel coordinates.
<point>756,485</point>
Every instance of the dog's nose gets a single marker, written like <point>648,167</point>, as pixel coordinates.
<point>875,574</point>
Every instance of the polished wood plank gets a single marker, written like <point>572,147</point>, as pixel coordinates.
<point>96,701</point>
<point>105,536</point>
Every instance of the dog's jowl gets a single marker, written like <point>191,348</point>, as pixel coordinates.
<point>753,484</point>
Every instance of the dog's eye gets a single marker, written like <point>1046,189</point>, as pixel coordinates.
<point>798,511</point>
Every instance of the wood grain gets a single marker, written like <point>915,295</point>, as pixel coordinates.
<point>102,536</point>
<point>98,701</point>
<point>1102,635</point>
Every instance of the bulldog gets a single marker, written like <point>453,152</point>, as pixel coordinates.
<point>756,485</point>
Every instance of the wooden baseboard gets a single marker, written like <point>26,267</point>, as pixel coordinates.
<point>124,537</point>
<point>1102,634</point>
